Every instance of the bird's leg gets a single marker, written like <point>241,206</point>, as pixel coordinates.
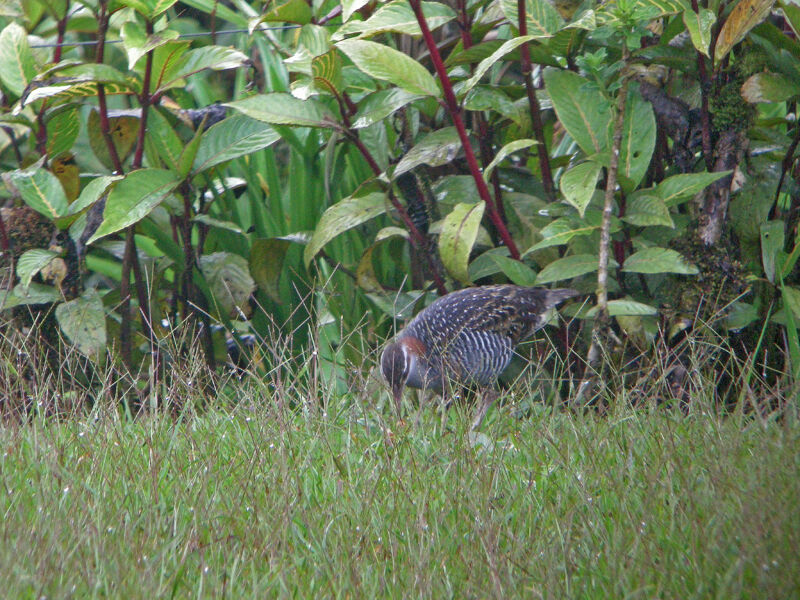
<point>488,396</point>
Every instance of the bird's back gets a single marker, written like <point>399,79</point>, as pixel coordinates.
<point>471,333</point>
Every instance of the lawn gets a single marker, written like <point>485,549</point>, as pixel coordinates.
<point>255,501</point>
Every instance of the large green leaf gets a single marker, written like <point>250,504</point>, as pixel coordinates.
<point>92,193</point>
<point>36,293</point>
<point>379,105</point>
<point>486,63</point>
<point>342,216</point>
<point>387,64</point>
<point>287,11</point>
<point>230,138</point>
<point>215,58</point>
<point>397,17</point>
<point>79,81</point>
<point>699,26</point>
<point>646,210</point>
<point>560,236</point>
<point>581,108</point>
<point>569,267</point>
<point>437,148</point>
<point>17,66</point>
<point>31,262</point>
<point>62,131</point>
<point>681,187</point>
<point>458,235</point>
<point>83,321</point>
<point>625,307</point>
<point>658,260</point>
<point>133,198</point>
<point>579,183</point>
<point>39,189</point>
<point>281,108</point>
<point>504,152</point>
<point>638,141</point>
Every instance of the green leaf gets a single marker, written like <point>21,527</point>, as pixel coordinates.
<point>387,64</point>
<point>137,43</point>
<point>638,141</point>
<point>83,321</point>
<point>31,262</point>
<point>397,17</point>
<point>215,58</point>
<point>220,224</point>
<point>681,187</point>
<point>458,235</point>
<point>188,154</point>
<point>772,242</point>
<point>36,293</point>
<point>266,265</point>
<point>162,145</point>
<point>62,131</point>
<point>228,278</point>
<point>231,138</point>
<point>542,17</point>
<point>17,66</point>
<point>647,210</point>
<point>516,271</point>
<point>625,307</point>
<point>378,106</point>
<point>569,267</point>
<point>658,260</point>
<point>437,148</point>
<point>79,81</point>
<point>220,11</point>
<point>490,60</point>
<point>579,183</point>
<point>505,151</point>
<point>133,198</point>
<point>92,193</point>
<point>739,315</point>
<point>582,109</point>
<point>349,7</point>
<point>744,16</point>
<point>39,189</point>
<point>561,238</point>
<point>342,216</point>
<point>281,108</point>
<point>769,87</point>
<point>452,189</point>
<point>699,26</point>
<point>290,11</point>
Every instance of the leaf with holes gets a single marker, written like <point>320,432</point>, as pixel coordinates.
<point>658,260</point>
<point>458,235</point>
<point>83,321</point>
<point>341,217</point>
<point>638,141</point>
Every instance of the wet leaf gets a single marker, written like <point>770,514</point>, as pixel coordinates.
<point>458,235</point>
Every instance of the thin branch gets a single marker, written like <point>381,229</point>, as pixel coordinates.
<point>705,88</point>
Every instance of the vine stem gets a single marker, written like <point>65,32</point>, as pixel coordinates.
<point>533,103</point>
<point>452,106</point>
<point>600,327</point>
<point>705,87</point>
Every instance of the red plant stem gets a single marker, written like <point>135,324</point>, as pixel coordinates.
<point>105,128</point>
<point>705,88</point>
<point>533,103</point>
<point>455,114</point>
<point>4,243</point>
<point>464,24</point>
<point>62,29</point>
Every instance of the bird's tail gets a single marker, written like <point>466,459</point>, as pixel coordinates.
<point>555,297</point>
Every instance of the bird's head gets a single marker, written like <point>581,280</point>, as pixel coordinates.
<point>395,366</point>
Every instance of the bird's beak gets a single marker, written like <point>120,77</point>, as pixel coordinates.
<point>397,394</point>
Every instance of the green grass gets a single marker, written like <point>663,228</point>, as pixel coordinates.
<point>260,502</point>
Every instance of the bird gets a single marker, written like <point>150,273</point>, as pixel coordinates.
<point>466,337</point>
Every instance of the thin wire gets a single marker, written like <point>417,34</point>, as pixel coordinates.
<point>181,36</point>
